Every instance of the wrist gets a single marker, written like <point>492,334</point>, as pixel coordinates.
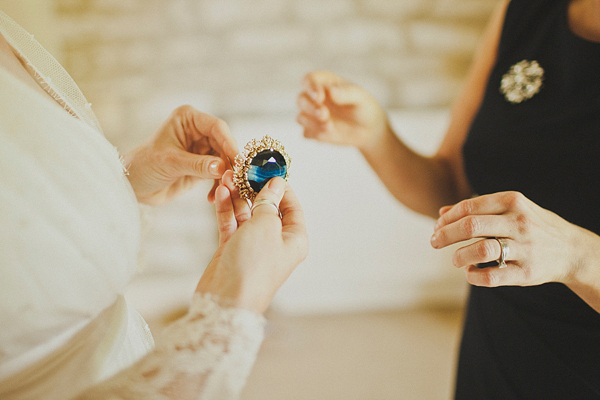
<point>233,293</point>
<point>378,141</point>
<point>585,266</point>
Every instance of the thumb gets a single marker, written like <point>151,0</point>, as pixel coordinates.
<point>204,167</point>
<point>268,199</point>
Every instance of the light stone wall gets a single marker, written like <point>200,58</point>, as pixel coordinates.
<point>137,59</point>
<point>243,61</point>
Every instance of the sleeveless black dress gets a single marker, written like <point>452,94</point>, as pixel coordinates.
<point>540,342</point>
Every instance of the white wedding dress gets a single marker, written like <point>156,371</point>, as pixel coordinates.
<point>69,241</point>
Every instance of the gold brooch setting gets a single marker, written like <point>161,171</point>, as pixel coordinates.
<point>260,161</point>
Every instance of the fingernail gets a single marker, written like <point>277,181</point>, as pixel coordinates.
<point>433,240</point>
<point>213,168</point>
<point>277,185</point>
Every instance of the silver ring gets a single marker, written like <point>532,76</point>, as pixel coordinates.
<point>261,202</point>
<point>503,252</point>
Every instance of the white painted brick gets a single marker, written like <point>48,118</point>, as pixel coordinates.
<point>113,27</point>
<point>397,9</point>
<point>186,50</point>
<point>429,92</point>
<point>183,15</point>
<point>111,114</point>
<point>131,86</point>
<point>443,37</point>
<point>150,112</point>
<point>408,66</point>
<point>224,14</point>
<point>107,59</point>
<point>270,40</point>
<point>70,6</point>
<point>140,55</point>
<point>114,6</point>
<point>323,10</point>
<point>265,101</point>
<point>362,36</point>
<point>79,64</point>
<point>474,9</point>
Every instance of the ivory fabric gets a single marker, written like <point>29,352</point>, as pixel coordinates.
<point>69,242</point>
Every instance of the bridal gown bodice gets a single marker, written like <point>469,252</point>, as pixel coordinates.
<point>69,242</point>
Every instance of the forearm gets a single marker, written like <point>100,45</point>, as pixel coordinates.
<point>206,355</point>
<point>423,184</point>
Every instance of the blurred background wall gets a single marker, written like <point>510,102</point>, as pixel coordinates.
<point>243,61</point>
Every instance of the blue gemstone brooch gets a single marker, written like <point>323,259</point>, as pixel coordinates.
<point>261,160</point>
<point>522,81</point>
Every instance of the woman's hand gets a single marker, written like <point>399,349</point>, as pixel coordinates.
<point>542,247</point>
<point>334,110</point>
<point>258,252</point>
<point>188,147</point>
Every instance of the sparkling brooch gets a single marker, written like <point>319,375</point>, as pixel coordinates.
<point>261,160</point>
<point>522,81</point>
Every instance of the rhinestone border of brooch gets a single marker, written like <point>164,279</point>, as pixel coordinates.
<point>243,160</point>
<point>522,81</point>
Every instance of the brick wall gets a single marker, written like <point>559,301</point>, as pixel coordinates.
<point>137,59</point>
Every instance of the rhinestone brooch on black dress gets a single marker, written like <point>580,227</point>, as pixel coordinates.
<point>522,81</point>
<point>261,160</point>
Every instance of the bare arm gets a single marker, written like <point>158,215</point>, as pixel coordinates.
<point>334,110</point>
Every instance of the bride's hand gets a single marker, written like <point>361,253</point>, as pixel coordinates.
<point>188,147</point>
<point>258,252</point>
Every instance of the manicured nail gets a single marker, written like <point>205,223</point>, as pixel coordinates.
<point>433,240</point>
<point>213,168</point>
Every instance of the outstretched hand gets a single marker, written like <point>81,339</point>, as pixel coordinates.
<point>190,146</point>
<point>257,252</point>
<point>334,110</point>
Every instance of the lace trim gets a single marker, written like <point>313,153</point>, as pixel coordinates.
<point>206,355</point>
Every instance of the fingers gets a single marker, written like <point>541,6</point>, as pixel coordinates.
<point>496,203</point>
<point>314,129</point>
<point>493,277</point>
<point>311,109</point>
<point>484,251</point>
<point>201,125</point>
<point>201,166</point>
<point>241,208</point>
<point>346,94</point>
<point>267,201</point>
<point>294,224</point>
<point>315,82</point>
<point>471,227</point>
<point>226,222</point>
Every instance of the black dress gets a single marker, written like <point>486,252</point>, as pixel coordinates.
<point>540,342</point>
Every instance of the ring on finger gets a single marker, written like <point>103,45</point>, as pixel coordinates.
<point>261,202</point>
<point>503,252</point>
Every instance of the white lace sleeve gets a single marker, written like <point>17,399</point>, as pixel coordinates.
<point>206,355</point>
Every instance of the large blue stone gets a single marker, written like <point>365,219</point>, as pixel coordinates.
<point>265,165</point>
